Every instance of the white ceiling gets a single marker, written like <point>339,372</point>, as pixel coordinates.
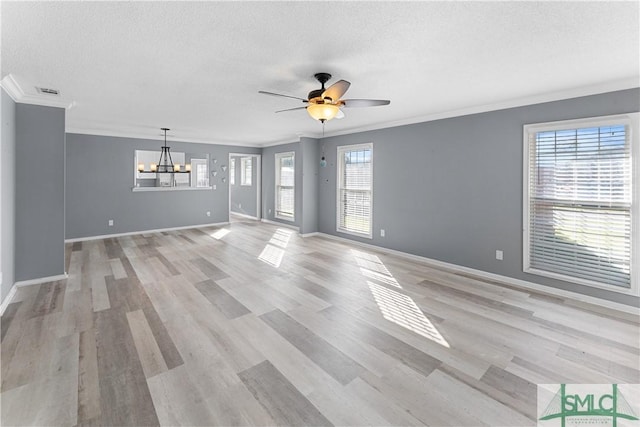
<point>131,68</point>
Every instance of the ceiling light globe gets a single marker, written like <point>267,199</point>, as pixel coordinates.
<point>323,112</point>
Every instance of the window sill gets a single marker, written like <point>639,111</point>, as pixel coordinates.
<point>285,218</point>
<point>633,290</point>
<point>354,233</point>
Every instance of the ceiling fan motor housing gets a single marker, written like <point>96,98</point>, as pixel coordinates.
<point>316,95</point>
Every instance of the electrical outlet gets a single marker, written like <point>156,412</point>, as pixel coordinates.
<point>215,186</point>
<point>110,223</point>
<point>269,210</point>
<point>208,213</point>
<point>239,205</point>
<point>382,232</point>
<point>499,255</point>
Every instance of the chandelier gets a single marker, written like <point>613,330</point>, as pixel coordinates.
<point>165,165</point>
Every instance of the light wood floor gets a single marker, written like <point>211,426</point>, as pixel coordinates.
<point>251,324</point>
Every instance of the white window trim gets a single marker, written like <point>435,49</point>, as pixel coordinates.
<point>232,171</point>
<point>243,172</point>
<point>278,156</point>
<point>632,122</point>
<point>340,149</point>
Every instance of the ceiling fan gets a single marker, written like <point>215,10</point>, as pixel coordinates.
<point>325,104</point>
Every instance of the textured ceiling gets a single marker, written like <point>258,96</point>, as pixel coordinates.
<point>131,68</point>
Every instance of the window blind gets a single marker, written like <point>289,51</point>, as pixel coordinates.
<point>245,172</point>
<point>580,203</point>
<point>354,189</point>
<point>202,176</point>
<point>285,185</point>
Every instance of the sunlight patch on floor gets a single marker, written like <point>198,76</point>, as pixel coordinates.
<point>402,310</point>
<point>370,262</point>
<point>395,306</point>
<point>219,234</point>
<point>281,237</point>
<point>273,252</point>
<point>389,280</point>
<point>272,255</point>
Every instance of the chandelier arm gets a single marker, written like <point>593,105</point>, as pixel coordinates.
<point>170,160</point>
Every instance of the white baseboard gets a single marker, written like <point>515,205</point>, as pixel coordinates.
<point>495,277</point>
<point>7,300</point>
<point>315,233</point>
<point>232,213</point>
<point>133,233</point>
<point>41,280</point>
<point>281,224</point>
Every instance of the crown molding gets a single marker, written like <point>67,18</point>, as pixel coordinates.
<point>10,84</point>
<point>13,88</point>
<point>612,86</point>
<point>276,143</point>
<point>135,133</point>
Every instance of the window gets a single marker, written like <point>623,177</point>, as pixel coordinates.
<point>285,185</point>
<point>245,171</point>
<point>232,172</point>
<point>200,173</point>
<point>354,192</point>
<point>579,202</point>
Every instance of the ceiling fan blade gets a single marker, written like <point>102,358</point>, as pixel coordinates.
<point>336,90</point>
<point>291,109</point>
<point>340,115</point>
<point>357,103</point>
<point>279,94</point>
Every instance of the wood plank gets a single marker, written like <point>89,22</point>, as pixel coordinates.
<point>74,270</point>
<point>170,353</point>
<point>511,384</point>
<point>8,316</point>
<point>88,378</point>
<point>178,400</point>
<point>284,403</point>
<point>117,270</point>
<point>333,361</point>
<point>369,357</point>
<point>77,314</point>
<point>99,295</point>
<point>209,269</point>
<point>391,412</point>
<point>623,374</point>
<point>148,351</point>
<point>123,386</point>
<point>50,298</point>
<point>384,342</point>
<point>294,365</point>
<point>221,299</point>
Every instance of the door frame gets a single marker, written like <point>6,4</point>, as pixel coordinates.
<point>258,167</point>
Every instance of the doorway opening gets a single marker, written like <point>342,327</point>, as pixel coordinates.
<point>245,186</point>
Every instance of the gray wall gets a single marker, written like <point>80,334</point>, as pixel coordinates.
<point>451,189</point>
<point>7,193</point>
<point>99,181</point>
<point>244,197</point>
<point>269,182</point>
<point>40,192</point>
<point>310,164</point>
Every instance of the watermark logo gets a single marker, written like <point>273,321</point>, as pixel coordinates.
<point>568,405</point>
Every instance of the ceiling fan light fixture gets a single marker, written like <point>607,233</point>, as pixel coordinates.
<point>322,112</point>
